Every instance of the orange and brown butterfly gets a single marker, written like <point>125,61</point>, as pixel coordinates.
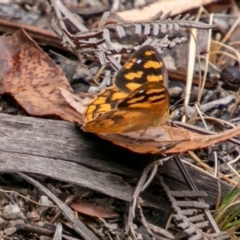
<point>138,100</point>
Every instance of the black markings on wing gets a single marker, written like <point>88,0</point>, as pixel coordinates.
<point>145,65</point>
<point>146,97</point>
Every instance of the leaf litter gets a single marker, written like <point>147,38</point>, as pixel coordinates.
<point>33,79</point>
<point>37,89</point>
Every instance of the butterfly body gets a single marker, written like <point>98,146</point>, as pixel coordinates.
<point>138,100</point>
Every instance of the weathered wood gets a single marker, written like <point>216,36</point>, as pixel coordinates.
<point>62,151</point>
<point>203,181</point>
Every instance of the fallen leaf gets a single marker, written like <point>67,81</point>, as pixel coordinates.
<point>92,209</point>
<point>33,79</point>
<point>76,102</point>
<point>164,139</point>
<point>167,139</point>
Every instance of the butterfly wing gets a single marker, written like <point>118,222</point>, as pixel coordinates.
<point>145,65</point>
<point>118,121</point>
<point>140,97</point>
<point>151,98</point>
<point>105,101</point>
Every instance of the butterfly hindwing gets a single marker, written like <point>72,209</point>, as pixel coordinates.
<point>115,122</point>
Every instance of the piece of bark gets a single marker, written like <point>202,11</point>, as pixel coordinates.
<point>62,151</point>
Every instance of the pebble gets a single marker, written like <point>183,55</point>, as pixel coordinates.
<point>12,212</point>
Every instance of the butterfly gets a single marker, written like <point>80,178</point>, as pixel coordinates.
<point>138,99</point>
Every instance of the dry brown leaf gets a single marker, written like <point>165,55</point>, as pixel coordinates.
<point>92,209</point>
<point>165,139</point>
<point>168,140</point>
<point>175,6</point>
<point>33,79</point>
<point>76,102</point>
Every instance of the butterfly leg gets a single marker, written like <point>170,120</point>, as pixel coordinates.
<point>143,132</point>
<point>170,132</point>
<point>140,135</point>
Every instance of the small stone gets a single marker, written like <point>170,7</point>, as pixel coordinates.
<point>45,238</point>
<point>1,221</point>
<point>12,212</point>
<point>13,223</point>
<point>45,201</point>
<point>33,216</point>
<point>9,231</point>
<point>139,3</point>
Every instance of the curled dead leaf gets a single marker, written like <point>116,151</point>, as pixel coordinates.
<point>165,139</point>
<point>168,140</point>
<point>33,79</point>
<point>92,209</point>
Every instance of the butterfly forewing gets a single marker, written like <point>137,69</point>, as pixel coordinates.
<point>146,65</point>
<point>105,101</point>
<point>151,98</point>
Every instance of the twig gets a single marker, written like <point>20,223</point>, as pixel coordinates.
<point>78,226</point>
